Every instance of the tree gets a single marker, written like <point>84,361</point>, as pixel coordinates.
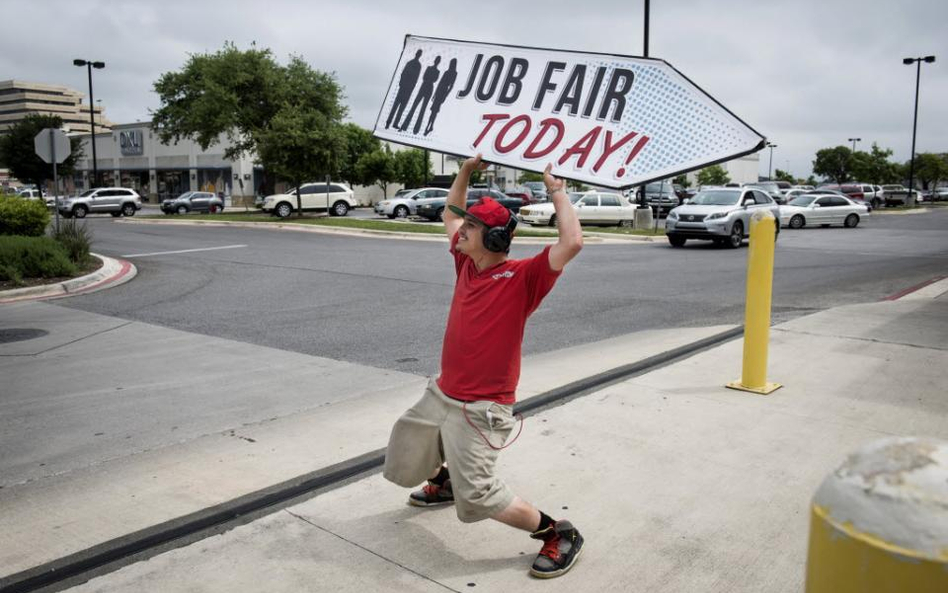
<point>247,96</point>
<point>874,166</point>
<point>17,150</point>
<point>811,180</point>
<point>412,167</point>
<point>378,167</point>
<point>301,145</point>
<point>359,142</point>
<point>713,175</point>
<point>931,168</point>
<point>526,176</point>
<point>834,163</point>
<point>781,175</point>
<point>682,180</point>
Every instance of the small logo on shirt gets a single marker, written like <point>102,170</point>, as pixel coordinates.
<point>507,274</point>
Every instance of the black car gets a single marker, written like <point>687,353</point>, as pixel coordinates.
<point>433,209</point>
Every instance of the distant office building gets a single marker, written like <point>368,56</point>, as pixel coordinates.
<point>19,99</point>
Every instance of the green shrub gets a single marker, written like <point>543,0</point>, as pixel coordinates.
<point>33,257</point>
<point>19,216</point>
<point>75,238</point>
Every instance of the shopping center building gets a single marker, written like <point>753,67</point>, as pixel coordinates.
<point>131,155</point>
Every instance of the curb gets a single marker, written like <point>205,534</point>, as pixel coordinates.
<point>591,235</point>
<point>112,273</point>
<point>111,555</point>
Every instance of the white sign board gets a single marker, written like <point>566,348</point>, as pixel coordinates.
<point>608,120</point>
<point>56,151</point>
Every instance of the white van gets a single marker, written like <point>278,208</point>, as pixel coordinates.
<point>339,197</point>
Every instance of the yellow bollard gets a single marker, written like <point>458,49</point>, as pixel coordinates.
<point>760,277</point>
<point>879,523</point>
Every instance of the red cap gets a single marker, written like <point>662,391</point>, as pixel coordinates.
<point>487,210</point>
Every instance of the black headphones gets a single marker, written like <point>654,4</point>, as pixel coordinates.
<point>497,238</point>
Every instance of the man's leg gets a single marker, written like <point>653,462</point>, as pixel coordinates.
<point>520,514</point>
<point>562,543</point>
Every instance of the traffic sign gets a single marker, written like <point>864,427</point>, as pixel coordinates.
<point>52,145</point>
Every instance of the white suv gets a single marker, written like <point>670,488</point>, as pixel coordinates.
<point>338,197</point>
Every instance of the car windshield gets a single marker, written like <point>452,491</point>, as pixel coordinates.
<point>716,198</point>
<point>87,193</point>
<point>184,196</point>
<point>802,201</point>
<point>573,198</point>
<point>764,186</point>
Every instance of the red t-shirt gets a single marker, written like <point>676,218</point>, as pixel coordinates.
<point>480,359</point>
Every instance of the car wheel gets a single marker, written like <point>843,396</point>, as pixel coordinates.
<point>128,210</point>
<point>340,208</point>
<point>676,241</point>
<point>401,212</point>
<point>736,237</point>
<point>182,210</point>
<point>440,215</point>
<point>851,221</point>
<point>625,224</point>
<point>797,222</point>
<point>777,231</point>
<point>553,220</point>
<point>80,211</point>
<point>283,209</point>
<point>115,214</point>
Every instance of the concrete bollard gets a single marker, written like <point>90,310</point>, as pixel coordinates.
<point>760,280</point>
<point>879,523</point>
<point>643,218</point>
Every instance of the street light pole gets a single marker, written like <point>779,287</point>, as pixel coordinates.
<point>89,66</point>
<point>854,141</point>
<point>918,76</point>
<point>770,167</point>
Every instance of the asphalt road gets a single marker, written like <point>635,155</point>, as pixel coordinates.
<point>383,302</point>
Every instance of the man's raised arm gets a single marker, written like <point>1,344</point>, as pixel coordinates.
<point>570,232</point>
<point>457,196</point>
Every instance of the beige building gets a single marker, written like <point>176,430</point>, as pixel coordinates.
<point>19,99</point>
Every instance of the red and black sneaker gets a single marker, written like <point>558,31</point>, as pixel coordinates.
<point>432,495</point>
<point>562,545</point>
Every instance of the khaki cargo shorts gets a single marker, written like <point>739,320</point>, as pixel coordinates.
<point>435,431</point>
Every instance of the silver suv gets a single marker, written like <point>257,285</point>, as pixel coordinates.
<point>117,201</point>
<point>721,215</point>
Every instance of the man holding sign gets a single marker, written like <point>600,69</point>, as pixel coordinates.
<point>453,435</point>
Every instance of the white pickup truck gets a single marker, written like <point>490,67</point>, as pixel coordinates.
<point>897,195</point>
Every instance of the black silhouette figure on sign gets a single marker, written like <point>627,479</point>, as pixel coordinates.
<point>406,84</point>
<point>424,95</point>
<point>441,93</point>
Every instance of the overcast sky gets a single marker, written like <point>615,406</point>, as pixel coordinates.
<point>807,74</point>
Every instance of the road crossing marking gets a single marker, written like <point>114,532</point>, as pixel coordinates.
<point>182,251</point>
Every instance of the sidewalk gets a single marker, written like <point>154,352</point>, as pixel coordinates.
<point>677,483</point>
<point>250,418</point>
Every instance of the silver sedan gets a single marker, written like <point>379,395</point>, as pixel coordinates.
<point>822,210</point>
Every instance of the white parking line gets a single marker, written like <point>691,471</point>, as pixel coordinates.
<point>181,251</point>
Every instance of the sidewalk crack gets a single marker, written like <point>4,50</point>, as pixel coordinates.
<point>843,337</point>
<point>376,554</point>
<point>92,335</point>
